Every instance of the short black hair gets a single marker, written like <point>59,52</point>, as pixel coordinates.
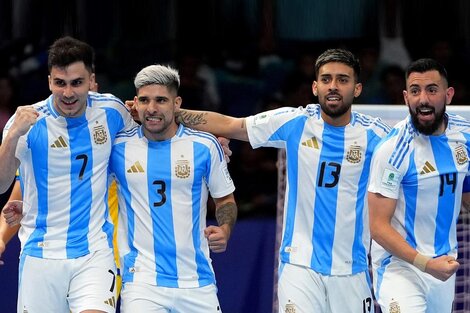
<point>341,56</point>
<point>426,65</point>
<point>67,50</point>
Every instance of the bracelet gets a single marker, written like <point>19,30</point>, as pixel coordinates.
<point>420,262</point>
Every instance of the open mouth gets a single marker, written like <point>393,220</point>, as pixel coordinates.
<point>69,102</point>
<point>333,97</point>
<point>425,111</point>
<point>153,119</point>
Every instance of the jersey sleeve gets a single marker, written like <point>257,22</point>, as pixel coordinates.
<point>384,178</point>
<point>220,182</point>
<point>270,128</point>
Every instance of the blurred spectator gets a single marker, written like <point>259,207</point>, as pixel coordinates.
<point>371,68</point>
<point>392,80</point>
<point>7,99</point>
<point>254,172</point>
<point>198,84</point>
<point>457,66</point>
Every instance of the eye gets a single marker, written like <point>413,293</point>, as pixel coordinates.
<point>143,100</point>
<point>77,83</point>
<point>432,90</point>
<point>59,83</point>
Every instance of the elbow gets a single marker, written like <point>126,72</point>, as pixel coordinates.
<point>4,185</point>
<point>376,230</point>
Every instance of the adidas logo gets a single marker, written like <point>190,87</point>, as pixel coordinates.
<point>59,143</point>
<point>111,301</point>
<point>136,168</point>
<point>311,143</point>
<point>427,168</point>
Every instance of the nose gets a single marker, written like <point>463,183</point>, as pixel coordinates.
<point>68,92</point>
<point>333,85</point>
<point>152,106</point>
<point>423,98</point>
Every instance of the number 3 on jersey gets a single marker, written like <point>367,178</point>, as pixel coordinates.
<point>161,187</point>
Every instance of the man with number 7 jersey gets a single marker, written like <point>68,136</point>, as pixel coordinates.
<point>62,147</point>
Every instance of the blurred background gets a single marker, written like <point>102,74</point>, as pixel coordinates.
<point>237,57</point>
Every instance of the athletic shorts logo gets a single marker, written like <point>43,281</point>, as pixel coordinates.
<point>182,169</point>
<point>99,135</point>
<point>111,302</point>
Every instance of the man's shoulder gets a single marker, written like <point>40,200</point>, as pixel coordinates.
<point>366,121</point>
<point>104,100</point>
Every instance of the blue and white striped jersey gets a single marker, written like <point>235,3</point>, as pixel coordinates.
<point>64,164</point>
<point>426,175</point>
<point>163,189</point>
<point>326,217</point>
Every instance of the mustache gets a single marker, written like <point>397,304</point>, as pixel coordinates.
<point>425,106</point>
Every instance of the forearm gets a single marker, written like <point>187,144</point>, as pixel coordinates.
<point>7,232</point>
<point>9,163</point>
<point>394,243</point>
<point>215,123</point>
<point>381,212</point>
<point>226,215</point>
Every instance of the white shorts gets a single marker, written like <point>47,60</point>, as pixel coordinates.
<point>62,286</point>
<point>401,287</point>
<point>302,290</point>
<point>142,297</point>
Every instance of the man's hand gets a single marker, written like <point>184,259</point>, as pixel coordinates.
<point>227,152</point>
<point>217,236</point>
<point>13,212</point>
<point>25,117</point>
<point>131,107</point>
<point>442,267</point>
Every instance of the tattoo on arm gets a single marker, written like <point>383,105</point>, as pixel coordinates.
<point>226,214</point>
<point>190,119</point>
<point>244,123</point>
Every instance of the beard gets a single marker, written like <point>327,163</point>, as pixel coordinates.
<point>334,112</point>
<point>428,128</point>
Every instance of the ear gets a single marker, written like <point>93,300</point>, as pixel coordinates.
<point>49,80</point>
<point>449,94</point>
<point>315,88</point>
<point>93,86</point>
<point>405,97</point>
<point>178,102</point>
<point>357,90</point>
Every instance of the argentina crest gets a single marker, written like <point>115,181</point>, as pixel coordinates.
<point>354,154</point>
<point>182,169</point>
<point>461,154</point>
<point>99,135</point>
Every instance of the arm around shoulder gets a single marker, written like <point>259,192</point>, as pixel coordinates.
<point>215,123</point>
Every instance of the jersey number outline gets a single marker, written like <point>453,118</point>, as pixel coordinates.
<point>446,179</point>
<point>334,173</point>
<point>85,162</point>
<point>161,191</point>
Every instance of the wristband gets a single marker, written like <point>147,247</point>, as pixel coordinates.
<point>420,262</point>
